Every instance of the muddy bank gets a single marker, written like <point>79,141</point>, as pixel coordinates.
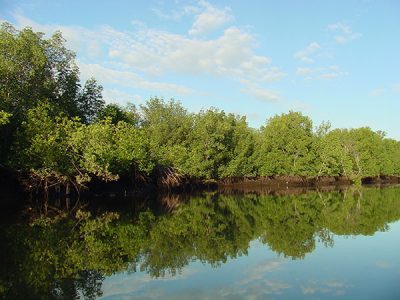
<point>272,184</point>
<point>18,191</point>
<point>381,180</point>
<point>279,182</point>
<point>165,180</point>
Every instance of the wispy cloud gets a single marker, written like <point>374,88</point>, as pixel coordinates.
<point>259,92</point>
<point>142,57</point>
<point>333,287</point>
<point>305,54</point>
<point>344,33</point>
<point>120,97</point>
<point>329,72</point>
<point>207,18</point>
<point>128,79</point>
<point>299,106</point>
<point>175,14</point>
<point>124,285</point>
<point>330,75</point>
<point>262,289</point>
<point>258,272</point>
<point>157,52</point>
<point>210,19</point>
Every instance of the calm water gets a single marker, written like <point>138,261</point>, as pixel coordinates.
<point>316,245</point>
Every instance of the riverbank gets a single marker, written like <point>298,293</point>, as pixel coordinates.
<point>302,181</point>
<point>13,183</point>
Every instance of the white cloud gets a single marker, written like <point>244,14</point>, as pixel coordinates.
<point>305,72</point>
<point>304,54</point>
<point>120,285</point>
<point>344,32</point>
<point>262,289</point>
<point>329,72</point>
<point>140,56</point>
<point>299,106</point>
<point>79,39</point>
<point>175,14</point>
<point>120,97</point>
<point>128,79</point>
<point>158,52</point>
<point>329,75</point>
<point>210,19</point>
<point>255,283</point>
<point>331,287</point>
<point>259,92</point>
<point>259,271</point>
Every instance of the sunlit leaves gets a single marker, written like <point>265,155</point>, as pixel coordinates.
<point>33,69</point>
<point>287,146</point>
<point>4,117</point>
<point>71,151</point>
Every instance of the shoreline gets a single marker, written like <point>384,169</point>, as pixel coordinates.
<point>11,183</point>
<point>302,181</point>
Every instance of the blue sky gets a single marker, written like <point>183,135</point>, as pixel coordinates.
<point>336,60</point>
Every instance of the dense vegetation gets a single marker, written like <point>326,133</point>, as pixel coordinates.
<point>57,130</point>
<point>60,258</point>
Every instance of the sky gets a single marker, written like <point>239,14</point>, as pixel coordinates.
<point>334,61</point>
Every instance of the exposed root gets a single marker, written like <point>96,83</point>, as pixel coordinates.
<point>169,177</point>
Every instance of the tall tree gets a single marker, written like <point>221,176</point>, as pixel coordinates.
<point>167,126</point>
<point>33,69</point>
<point>286,148</point>
<point>90,101</point>
<point>116,113</point>
<point>211,144</point>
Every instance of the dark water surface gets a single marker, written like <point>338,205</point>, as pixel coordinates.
<point>315,245</point>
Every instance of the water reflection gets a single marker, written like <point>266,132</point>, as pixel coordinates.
<point>69,258</point>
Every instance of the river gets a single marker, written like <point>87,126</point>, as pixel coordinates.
<point>338,244</point>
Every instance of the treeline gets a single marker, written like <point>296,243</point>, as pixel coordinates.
<point>58,131</point>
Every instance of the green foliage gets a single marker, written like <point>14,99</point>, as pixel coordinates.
<point>241,162</point>
<point>51,127</point>
<point>90,101</point>
<point>33,68</point>
<point>107,149</point>
<point>221,145</point>
<point>286,146</point>
<point>357,153</point>
<point>390,159</point>
<point>211,144</point>
<point>4,117</point>
<point>333,156</point>
<point>207,145</point>
<point>167,126</point>
<point>71,256</point>
<point>42,144</point>
<point>116,114</point>
<point>65,150</point>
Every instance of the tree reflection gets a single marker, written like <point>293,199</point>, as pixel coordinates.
<point>68,258</point>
